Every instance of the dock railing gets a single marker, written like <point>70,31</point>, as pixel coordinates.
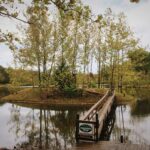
<point>89,126</point>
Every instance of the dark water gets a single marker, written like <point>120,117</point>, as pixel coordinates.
<point>55,128</point>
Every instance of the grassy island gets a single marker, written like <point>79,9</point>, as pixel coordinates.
<point>32,96</point>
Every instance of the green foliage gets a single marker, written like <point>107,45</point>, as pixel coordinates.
<point>4,77</point>
<point>140,59</point>
<point>65,81</point>
<point>22,77</point>
<point>8,8</point>
<point>63,76</point>
<point>72,92</point>
<point>92,85</point>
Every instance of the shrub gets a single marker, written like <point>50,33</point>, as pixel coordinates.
<point>72,92</point>
<point>92,85</point>
<point>63,77</point>
<point>65,81</point>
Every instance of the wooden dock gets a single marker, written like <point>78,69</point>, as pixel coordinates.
<point>89,126</point>
<point>108,145</point>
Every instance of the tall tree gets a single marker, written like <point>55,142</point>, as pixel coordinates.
<point>35,49</point>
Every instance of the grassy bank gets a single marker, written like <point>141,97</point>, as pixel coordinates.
<point>32,96</point>
<point>123,98</point>
<point>6,89</point>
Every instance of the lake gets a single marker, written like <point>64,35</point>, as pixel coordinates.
<point>54,128</point>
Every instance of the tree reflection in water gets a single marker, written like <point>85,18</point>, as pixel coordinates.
<point>132,127</point>
<point>141,108</point>
<point>55,129</point>
<point>15,120</point>
<point>43,129</point>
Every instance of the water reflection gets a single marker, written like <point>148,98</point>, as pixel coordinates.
<point>141,108</point>
<point>54,128</point>
<point>134,129</point>
<point>43,129</point>
<point>139,93</point>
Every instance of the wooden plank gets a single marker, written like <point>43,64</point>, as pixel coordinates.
<point>95,106</point>
<point>104,112</point>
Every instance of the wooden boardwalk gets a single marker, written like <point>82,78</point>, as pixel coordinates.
<point>108,145</point>
<point>89,126</point>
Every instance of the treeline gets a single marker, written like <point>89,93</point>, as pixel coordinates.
<point>18,77</point>
<point>4,76</point>
<point>70,47</point>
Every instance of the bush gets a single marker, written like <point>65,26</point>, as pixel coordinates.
<point>92,85</point>
<point>72,92</point>
<point>65,81</point>
<point>63,77</point>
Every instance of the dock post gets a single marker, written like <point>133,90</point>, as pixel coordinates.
<point>97,126</point>
<point>77,128</point>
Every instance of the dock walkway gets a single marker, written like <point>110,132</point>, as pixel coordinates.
<point>89,126</point>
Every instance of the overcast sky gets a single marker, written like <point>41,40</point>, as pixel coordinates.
<point>138,18</point>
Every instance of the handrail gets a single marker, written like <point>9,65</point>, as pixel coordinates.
<point>94,107</point>
<point>95,118</point>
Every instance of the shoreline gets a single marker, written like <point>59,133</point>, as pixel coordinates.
<point>30,97</point>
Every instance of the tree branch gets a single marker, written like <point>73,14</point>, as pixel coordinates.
<point>11,16</point>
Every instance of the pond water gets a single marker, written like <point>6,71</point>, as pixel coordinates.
<point>54,128</point>
<point>133,125</point>
<point>51,128</point>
